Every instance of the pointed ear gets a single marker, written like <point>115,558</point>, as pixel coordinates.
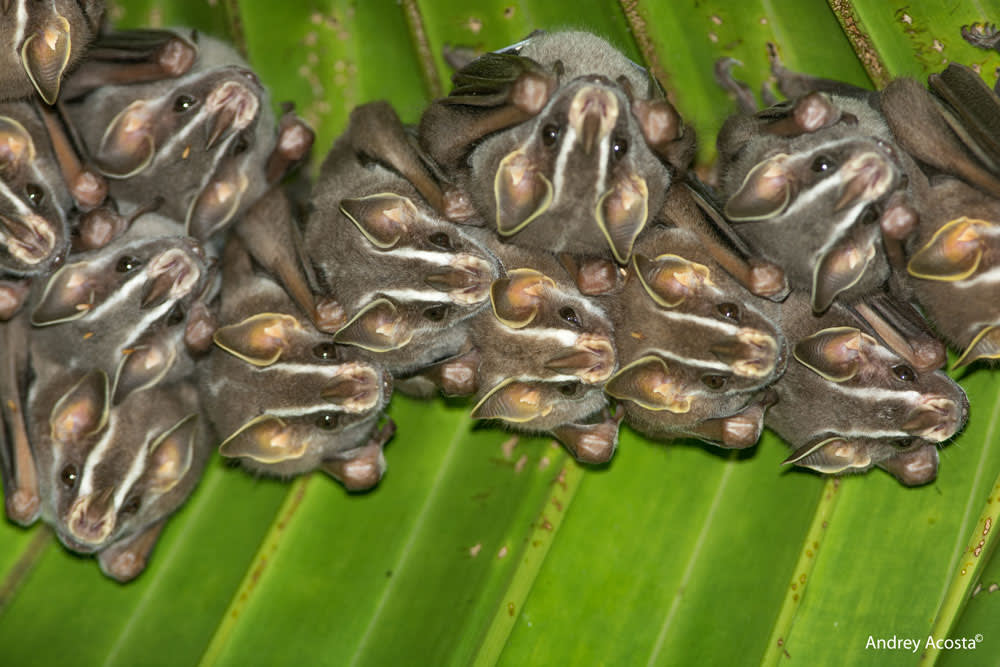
<point>765,192</point>
<point>264,439</point>
<point>839,270</point>
<point>986,345</point>
<point>622,214</point>
<point>647,383</point>
<point>516,298</point>
<point>45,55</point>
<point>378,327</point>
<point>129,144</point>
<point>16,147</point>
<point>69,294</point>
<point>172,454</point>
<point>953,253</point>
<point>142,367</point>
<point>522,193</point>
<point>259,339</point>
<point>833,353</point>
<point>512,401</point>
<point>670,279</point>
<point>831,456</point>
<point>217,203</point>
<point>382,218</point>
<point>82,411</point>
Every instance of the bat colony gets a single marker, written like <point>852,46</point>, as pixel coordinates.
<point>537,244</point>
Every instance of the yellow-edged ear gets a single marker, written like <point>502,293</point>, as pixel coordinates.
<point>265,439</point>
<point>129,144</point>
<point>522,193</point>
<point>513,401</point>
<point>172,454</point>
<point>378,327</point>
<point>647,383</point>
<point>16,147</point>
<point>833,353</point>
<point>986,345</point>
<point>953,253</point>
<point>516,297</point>
<point>259,339</point>
<point>45,55</point>
<point>831,456</point>
<point>82,411</point>
<point>670,279</point>
<point>383,218</point>
<point>765,192</point>
<point>622,213</point>
<point>839,270</point>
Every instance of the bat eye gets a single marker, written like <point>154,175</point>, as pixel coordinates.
<point>549,134</point>
<point>69,475</point>
<point>325,351</point>
<point>435,313</point>
<point>175,316</point>
<point>619,148</point>
<point>183,103</point>
<point>868,216</point>
<point>570,316</point>
<point>240,146</point>
<point>713,381</point>
<point>824,164</point>
<point>441,240</point>
<point>904,373</point>
<point>35,194</point>
<point>730,311</point>
<point>328,421</point>
<point>127,264</point>
<point>131,506</point>
<point>569,389</point>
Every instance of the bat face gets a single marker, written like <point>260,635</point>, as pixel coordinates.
<point>41,42</point>
<point>107,473</point>
<point>696,348</point>
<point>394,278</point>
<point>199,141</point>
<point>855,389</point>
<point>284,398</point>
<point>825,188</point>
<point>954,266</point>
<point>34,200</point>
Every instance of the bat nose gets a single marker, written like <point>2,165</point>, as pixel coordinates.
<point>92,518</point>
<point>936,418</point>
<point>467,279</point>
<point>592,359</point>
<point>30,239</point>
<point>592,114</point>
<point>752,353</point>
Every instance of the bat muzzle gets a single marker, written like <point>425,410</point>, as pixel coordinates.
<point>592,115</point>
<point>30,239</point>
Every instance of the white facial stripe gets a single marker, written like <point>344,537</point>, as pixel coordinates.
<point>726,328</point>
<point>182,134</point>
<point>563,337</point>
<point>134,473</point>
<point>410,295</point>
<point>876,394</point>
<point>96,455</point>
<point>148,317</point>
<point>11,196</point>
<point>434,258</point>
<point>989,276</point>
<point>303,410</point>
<point>602,168</point>
<point>22,21</point>
<point>568,141</point>
<point>687,361</point>
<point>321,370</point>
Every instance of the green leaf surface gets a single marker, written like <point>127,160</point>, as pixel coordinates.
<point>481,548</point>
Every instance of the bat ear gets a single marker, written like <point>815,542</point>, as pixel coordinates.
<point>172,455</point>
<point>16,147</point>
<point>259,339</point>
<point>69,294</point>
<point>765,192</point>
<point>382,218</point>
<point>45,55</point>
<point>264,439</point>
<point>517,297</point>
<point>670,279</point>
<point>622,213</point>
<point>986,345</point>
<point>83,410</point>
<point>141,367</point>
<point>953,253</point>
<point>522,193</point>
<point>129,144</point>
<point>831,456</point>
<point>841,268</point>
<point>380,327</point>
<point>512,401</point>
<point>833,353</point>
<point>217,202</point>
<point>647,383</point>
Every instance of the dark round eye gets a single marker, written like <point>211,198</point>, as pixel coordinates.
<point>570,316</point>
<point>441,240</point>
<point>240,146</point>
<point>713,381</point>
<point>435,313</point>
<point>69,475</point>
<point>183,103</point>
<point>176,315</point>
<point>328,421</point>
<point>569,388</point>
<point>730,311</point>
<point>824,163</point>
<point>618,148</point>
<point>325,351</point>
<point>904,373</point>
<point>131,505</point>
<point>127,264</point>
<point>549,134</point>
<point>35,194</point>
<point>868,216</point>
